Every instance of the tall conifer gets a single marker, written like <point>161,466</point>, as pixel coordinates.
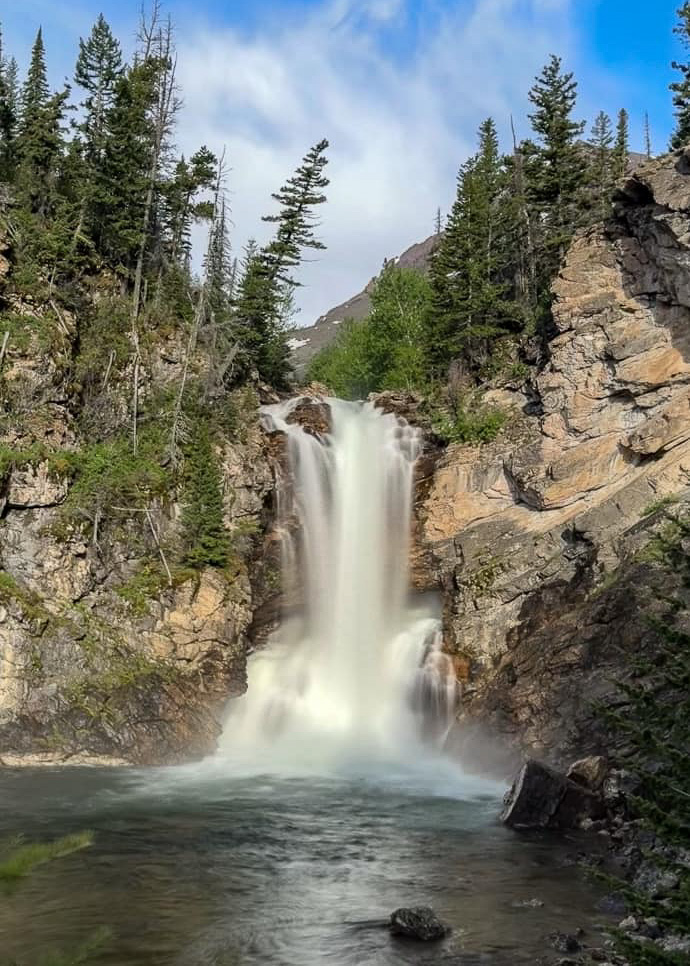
<point>621,149</point>
<point>39,140</point>
<point>602,168</point>
<point>681,87</point>
<point>556,172</point>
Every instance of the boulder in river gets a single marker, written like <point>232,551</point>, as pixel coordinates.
<point>543,798</point>
<point>420,922</point>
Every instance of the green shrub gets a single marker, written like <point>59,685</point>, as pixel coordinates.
<point>107,476</point>
<point>385,350</point>
<point>463,425</point>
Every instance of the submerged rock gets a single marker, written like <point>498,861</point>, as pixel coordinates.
<point>565,943</point>
<point>420,922</point>
<point>543,798</point>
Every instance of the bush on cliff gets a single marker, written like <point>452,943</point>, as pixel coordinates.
<point>654,720</point>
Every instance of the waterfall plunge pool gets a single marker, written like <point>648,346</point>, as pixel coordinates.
<point>192,868</point>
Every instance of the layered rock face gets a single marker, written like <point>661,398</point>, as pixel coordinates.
<point>104,656</point>
<point>527,533</point>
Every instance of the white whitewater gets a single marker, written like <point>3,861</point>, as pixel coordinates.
<point>357,675</point>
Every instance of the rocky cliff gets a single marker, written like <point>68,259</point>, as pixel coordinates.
<point>538,539</point>
<point>110,649</point>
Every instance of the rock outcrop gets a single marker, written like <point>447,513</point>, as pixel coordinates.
<point>541,798</point>
<point>107,652</point>
<point>536,537</point>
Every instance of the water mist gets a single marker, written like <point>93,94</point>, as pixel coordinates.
<point>358,674</point>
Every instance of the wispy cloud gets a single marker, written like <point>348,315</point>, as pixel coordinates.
<point>399,126</point>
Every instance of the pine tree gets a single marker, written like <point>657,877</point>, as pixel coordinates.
<point>40,137</point>
<point>205,537</point>
<point>602,166</point>
<point>296,220</point>
<point>182,207</point>
<point>556,168</point>
<point>469,273</point>
<point>9,114</point>
<point>621,149</point>
<point>681,88</point>
<point>116,204</point>
<point>97,71</point>
<point>264,296</point>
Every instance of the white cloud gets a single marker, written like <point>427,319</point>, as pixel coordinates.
<point>399,127</point>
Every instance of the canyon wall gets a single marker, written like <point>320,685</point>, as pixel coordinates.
<point>540,540</point>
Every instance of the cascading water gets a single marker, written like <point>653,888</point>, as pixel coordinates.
<point>358,674</point>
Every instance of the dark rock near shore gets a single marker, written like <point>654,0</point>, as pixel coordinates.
<point>565,943</point>
<point>420,922</point>
<point>543,798</point>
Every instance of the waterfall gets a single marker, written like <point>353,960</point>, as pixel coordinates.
<point>358,673</point>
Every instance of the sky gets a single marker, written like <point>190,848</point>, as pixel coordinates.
<point>399,87</point>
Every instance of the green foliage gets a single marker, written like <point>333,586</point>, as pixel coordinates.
<point>602,168</point>
<point>143,587</point>
<point>147,584</point>
<point>681,87</point>
<point>108,479</point>
<point>206,541</point>
<point>466,420</point>
<point>18,859</point>
<point>652,715</point>
<point>621,148</point>
<point>385,351</point>
<point>660,504</point>
<point>264,295</point>
<point>19,459</point>
<point>40,137</point>
<point>97,71</point>
<point>472,297</point>
<point>29,601</point>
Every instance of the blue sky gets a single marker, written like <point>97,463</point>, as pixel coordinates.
<point>399,86</point>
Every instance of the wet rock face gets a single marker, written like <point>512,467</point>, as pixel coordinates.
<point>313,415</point>
<point>523,534</point>
<point>420,922</point>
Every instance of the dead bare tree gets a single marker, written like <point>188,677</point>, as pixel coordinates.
<point>156,46</point>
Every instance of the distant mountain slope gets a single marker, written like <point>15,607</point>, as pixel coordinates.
<point>307,341</point>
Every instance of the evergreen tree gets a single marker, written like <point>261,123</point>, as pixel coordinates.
<point>602,167</point>
<point>116,205</point>
<point>296,220</point>
<point>469,272</point>
<point>681,87</point>
<point>621,149</point>
<point>265,291</point>
<point>40,137</point>
<point>181,204</point>
<point>9,114</point>
<point>97,71</point>
<point>205,537</point>
<point>556,169</point>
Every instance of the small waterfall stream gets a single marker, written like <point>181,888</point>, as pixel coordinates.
<point>358,673</point>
